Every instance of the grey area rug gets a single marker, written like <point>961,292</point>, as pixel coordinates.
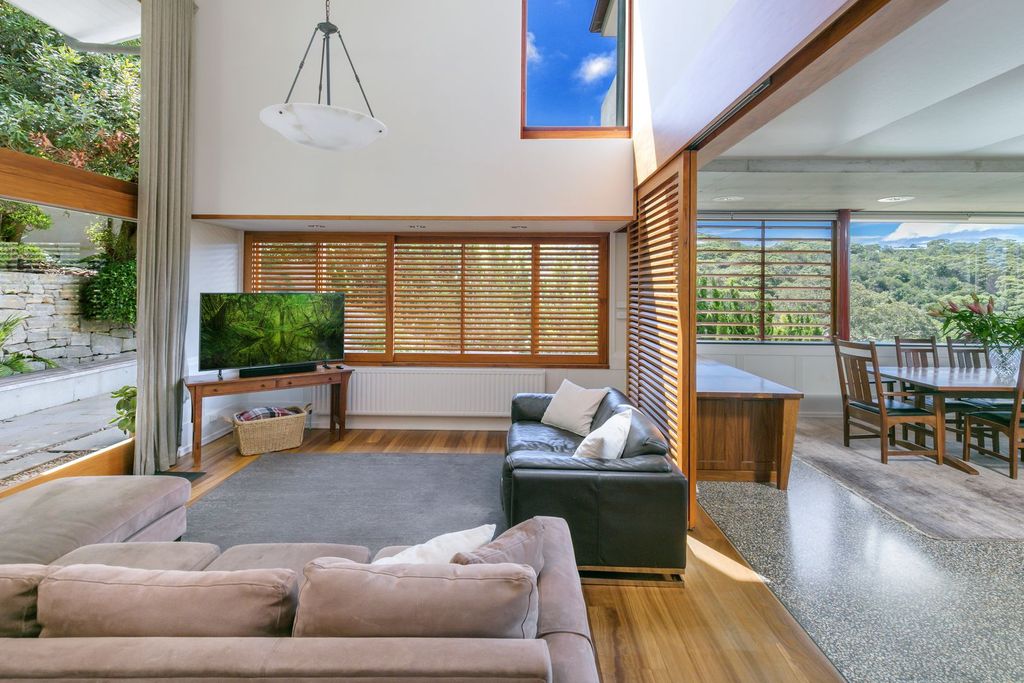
<point>940,502</point>
<point>369,499</point>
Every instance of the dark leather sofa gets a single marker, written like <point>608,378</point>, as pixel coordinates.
<point>627,513</point>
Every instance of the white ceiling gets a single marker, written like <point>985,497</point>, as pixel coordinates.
<point>949,88</point>
<point>90,21</point>
<point>533,226</point>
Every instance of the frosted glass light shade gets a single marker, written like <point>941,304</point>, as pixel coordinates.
<point>323,126</point>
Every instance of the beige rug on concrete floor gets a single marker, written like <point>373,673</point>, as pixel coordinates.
<point>941,502</point>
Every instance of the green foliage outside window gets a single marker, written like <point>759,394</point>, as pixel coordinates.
<point>16,362</point>
<point>892,289</point>
<point>111,293</point>
<point>75,108</point>
<point>17,220</point>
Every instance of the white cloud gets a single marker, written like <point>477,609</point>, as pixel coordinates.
<point>533,55</point>
<point>924,232</point>
<point>596,67</point>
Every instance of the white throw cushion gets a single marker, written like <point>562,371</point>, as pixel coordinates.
<point>441,549</point>
<point>572,408</point>
<point>607,441</point>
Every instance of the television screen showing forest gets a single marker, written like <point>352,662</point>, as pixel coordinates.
<point>761,280</point>
<point>251,330</point>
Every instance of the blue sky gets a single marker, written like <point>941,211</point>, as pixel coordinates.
<point>569,69</point>
<point>912,233</point>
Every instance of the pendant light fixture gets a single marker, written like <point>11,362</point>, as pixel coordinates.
<point>322,125</point>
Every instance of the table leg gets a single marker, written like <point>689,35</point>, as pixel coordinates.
<point>342,404</point>
<point>943,458</point>
<point>333,410</point>
<point>197,429</point>
<point>787,437</point>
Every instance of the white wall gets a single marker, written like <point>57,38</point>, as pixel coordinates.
<point>695,58</point>
<point>215,265</point>
<point>443,75</point>
<point>810,368</point>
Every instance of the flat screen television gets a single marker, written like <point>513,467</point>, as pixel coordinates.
<point>270,332</point>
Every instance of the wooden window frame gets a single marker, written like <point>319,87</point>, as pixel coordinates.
<point>391,358</point>
<point>34,180</point>
<point>577,132</point>
<point>836,313</point>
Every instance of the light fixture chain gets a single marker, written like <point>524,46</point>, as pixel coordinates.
<point>327,9</point>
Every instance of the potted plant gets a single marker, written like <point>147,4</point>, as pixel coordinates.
<point>1001,333</point>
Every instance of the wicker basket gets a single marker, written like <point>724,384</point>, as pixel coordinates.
<point>271,434</point>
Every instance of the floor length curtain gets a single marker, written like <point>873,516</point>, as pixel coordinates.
<point>165,207</point>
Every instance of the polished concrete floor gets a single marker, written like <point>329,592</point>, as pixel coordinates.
<point>882,600</point>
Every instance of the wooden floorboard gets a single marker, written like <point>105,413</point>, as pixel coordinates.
<point>722,625</point>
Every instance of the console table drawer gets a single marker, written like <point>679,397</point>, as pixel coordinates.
<point>239,387</point>
<point>307,381</point>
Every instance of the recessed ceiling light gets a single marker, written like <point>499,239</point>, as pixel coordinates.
<point>519,227</point>
<point>418,227</point>
<point>316,225</point>
<point>728,198</point>
<point>896,199</point>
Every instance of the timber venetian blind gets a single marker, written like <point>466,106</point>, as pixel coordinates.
<point>765,280</point>
<point>653,362</point>
<point>448,299</point>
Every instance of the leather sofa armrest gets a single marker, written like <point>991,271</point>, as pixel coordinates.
<point>530,406</point>
<point>539,460</point>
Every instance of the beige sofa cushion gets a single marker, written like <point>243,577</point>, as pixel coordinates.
<point>344,599</point>
<point>294,556</point>
<point>150,555</point>
<point>19,584</point>
<point>89,600</point>
<point>522,544</point>
<point>50,520</point>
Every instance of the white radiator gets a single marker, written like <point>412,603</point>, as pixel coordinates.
<point>434,392</point>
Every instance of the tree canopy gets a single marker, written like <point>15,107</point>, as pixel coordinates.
<point>76,108</point>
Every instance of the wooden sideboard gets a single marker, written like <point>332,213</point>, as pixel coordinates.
<point>746,425</point>
<point>200,387</point>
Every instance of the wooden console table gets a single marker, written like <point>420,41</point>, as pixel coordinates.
<point>746,425</point>
<point>202,387</point>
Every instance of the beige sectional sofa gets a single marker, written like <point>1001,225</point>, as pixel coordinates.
<point>556,647</point>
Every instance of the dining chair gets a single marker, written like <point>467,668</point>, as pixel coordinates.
<point>967,354</point>
<point>1007,422</point>
<point>921,352</point>
<point>870,407</point>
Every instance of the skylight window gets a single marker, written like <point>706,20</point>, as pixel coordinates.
<point>575,64</point>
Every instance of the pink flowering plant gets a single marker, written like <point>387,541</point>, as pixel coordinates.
<point>979,320</point>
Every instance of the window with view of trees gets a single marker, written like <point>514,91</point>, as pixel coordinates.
<point>75,108</point>
<point>450,299</point>
<point>764,280</point>
<point>899,270</point>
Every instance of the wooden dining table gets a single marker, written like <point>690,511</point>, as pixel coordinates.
<point>943,383</point>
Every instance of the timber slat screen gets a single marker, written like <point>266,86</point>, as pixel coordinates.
<point>765,280</point>
<point>447,299</point>
<point>652,360</point>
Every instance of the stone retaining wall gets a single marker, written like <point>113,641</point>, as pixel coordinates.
<point>54,329</point>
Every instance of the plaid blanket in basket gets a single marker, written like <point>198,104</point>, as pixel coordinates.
<point>266,412</point>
